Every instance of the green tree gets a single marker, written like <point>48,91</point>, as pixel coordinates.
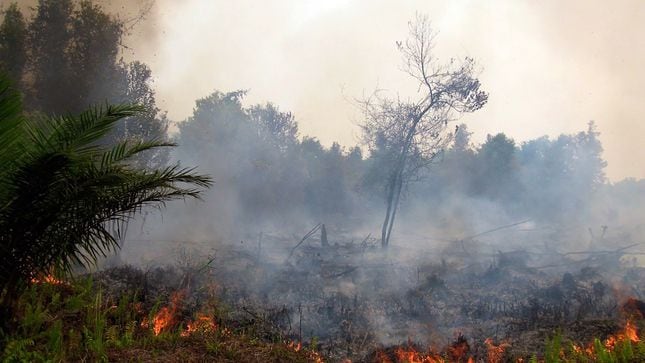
<point>64,196</point>
<point>497,168</point>
<point>561,175</point>
<point>49,39</point>
<point>13,35</point>
<point>68,57</point>
<point>411,133</point>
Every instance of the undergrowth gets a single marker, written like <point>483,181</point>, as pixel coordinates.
<point>560,350</point>
<point>76,321</point>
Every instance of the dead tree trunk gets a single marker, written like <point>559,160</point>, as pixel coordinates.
<point>323,236</point>
<point>395,184</point>
<point>409,126</point>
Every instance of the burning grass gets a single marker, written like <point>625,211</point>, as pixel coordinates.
<point>80,321</point>
<point>125,314</point>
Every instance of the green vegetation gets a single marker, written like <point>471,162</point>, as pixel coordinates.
<point>64,196</point>
<point>76,321</point>
<point>559,350</point>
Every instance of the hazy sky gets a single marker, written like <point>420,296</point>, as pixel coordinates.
<point>549,66</point>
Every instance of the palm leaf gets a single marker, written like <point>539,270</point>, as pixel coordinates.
<point>67,197</point>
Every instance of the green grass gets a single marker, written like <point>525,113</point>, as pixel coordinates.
<point>77,322</point>
<point>624,351</point>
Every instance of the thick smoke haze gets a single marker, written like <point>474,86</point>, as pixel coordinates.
<point>543,183</point>
<point>550,67</point>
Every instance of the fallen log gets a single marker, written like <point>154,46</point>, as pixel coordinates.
<point>306,236</point>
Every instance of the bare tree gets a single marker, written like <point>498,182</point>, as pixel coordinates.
<point>412,132</point>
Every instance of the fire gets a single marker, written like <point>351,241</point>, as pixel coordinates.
<point>580,350</point>
<point>457,352</point>
<point>295,346</point>
<point>47,279</point>
<point>412,356</point>
<point>630,333</point>
<point>495,353</point>
<point>202,324</point>
<point>382,357</point>
<point>459,349</point>
<point>312,355</point>
<point>167,316</point>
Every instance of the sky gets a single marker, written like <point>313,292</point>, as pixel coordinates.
<point>549,66</point>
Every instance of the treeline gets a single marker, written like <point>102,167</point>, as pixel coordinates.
<point>65,57</point>
<point>256,153</point>
<point>551,180</point>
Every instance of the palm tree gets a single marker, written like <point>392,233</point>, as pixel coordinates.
<point>64,196</point>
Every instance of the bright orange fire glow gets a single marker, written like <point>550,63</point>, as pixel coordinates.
<point>47,279</point>
<point>202,324</point>
<point>295,346</point>
<point>630,333</point>
<point>167,316</point>
<point>412,356</point>
<point>312,355</point>
<point>495,353</point>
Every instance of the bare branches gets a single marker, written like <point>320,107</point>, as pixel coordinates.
<point>417,50</point>
<point>409,134</point>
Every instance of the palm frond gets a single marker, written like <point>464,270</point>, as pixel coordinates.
<point>67,198</point>
<point>12,135</point>
<point>80,133</point>
<point>127,149</point>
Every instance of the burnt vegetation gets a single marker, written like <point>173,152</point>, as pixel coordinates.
<point>502,251</point>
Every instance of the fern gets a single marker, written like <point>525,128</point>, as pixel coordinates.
<point>55,340</point>
<point>19,351</point>
<point>112,336</point>
<point>602,354</point>
<point>553,349</point>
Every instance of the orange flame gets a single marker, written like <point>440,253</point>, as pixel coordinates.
<point>295,346</point>
<point>495,353</point>
<point>630,333</point>
<point>458,350</point>
<point>412,356</point>
<point>312,355</point>
<point>167,316</point>
<point>47,279</point>
<point>203,324</point>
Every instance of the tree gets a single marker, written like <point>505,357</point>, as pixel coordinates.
<point>65,197</point>
<point>562,175</point>
<point>13,34</point>
<point>251,151</point>
<point>496,168</point>
<point>149,123</point>
<point>412,132</point>
<point>279,129</point>
<point>68,58</point>
<point>49,39</point>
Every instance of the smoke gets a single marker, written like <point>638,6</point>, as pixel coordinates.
<point>549,67</point>
<point>475,216</point>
